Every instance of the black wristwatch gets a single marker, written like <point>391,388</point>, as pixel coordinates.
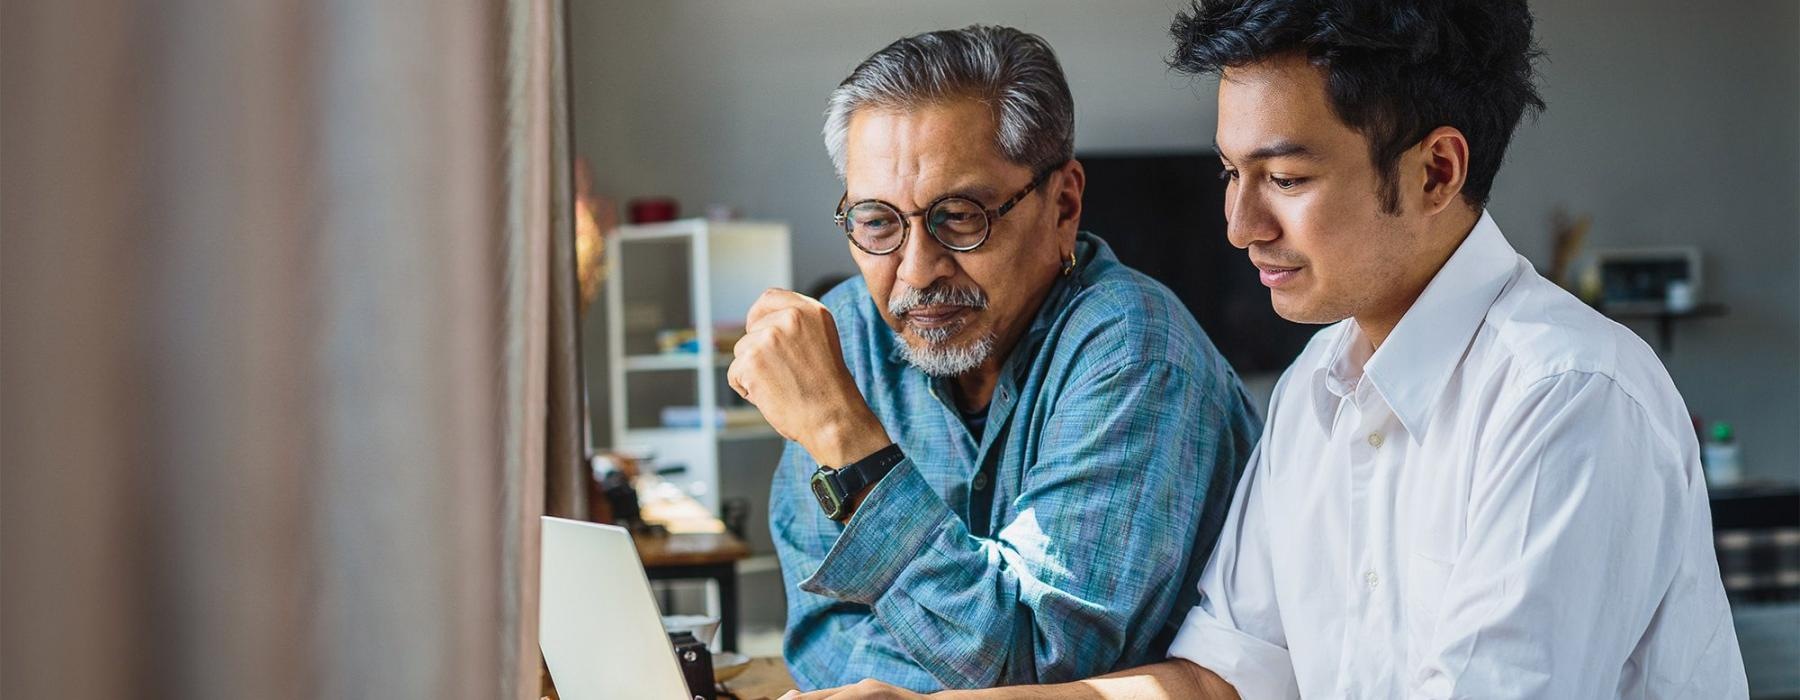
<point>836,487</point>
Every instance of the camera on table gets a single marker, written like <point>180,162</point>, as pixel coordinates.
<point>696,664</point>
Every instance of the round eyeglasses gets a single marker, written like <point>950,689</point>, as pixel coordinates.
<point>957,222</point>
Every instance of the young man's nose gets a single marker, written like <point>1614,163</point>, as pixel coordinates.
<point>1247,219</point>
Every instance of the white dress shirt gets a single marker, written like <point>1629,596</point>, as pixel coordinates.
<point>1503,501</point>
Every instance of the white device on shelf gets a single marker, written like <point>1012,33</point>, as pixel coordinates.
<point>1640,279</point>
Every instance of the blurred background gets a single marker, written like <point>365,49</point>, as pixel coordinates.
<point>1670,153</point>
<point>309,309</point>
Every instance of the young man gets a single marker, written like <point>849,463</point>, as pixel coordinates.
<point>1471,485</point>
<point>1004,443</point>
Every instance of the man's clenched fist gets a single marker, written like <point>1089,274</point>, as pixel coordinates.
<point>789,364</point>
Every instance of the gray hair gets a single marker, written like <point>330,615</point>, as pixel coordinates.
<point>1013,72</point>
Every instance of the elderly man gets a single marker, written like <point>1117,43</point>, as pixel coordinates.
<point>1004,444</point>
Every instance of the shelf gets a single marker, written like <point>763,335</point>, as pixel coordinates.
<point>736,432</point>
<point>1651,312</point>
<point>749,432</point>
<point>1664,318</point>
<point>688,361</point>
<point>686,228</point>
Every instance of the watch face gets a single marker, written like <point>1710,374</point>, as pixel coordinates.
<point>827,500</point>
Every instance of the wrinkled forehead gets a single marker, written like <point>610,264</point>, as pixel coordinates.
<point>908,157</point>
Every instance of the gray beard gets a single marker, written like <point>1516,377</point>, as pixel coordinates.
<point>939,359</point>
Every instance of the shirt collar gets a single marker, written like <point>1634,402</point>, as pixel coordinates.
<point>1413,366</point>
<point>1340,371</point>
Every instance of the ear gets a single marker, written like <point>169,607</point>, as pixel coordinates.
<point>1444,154</point>
<point>1065,197</point>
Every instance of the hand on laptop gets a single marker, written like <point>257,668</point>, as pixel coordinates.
<point>867,689</point>
<point>790,365</point>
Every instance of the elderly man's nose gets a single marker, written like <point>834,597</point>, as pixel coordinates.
<point>923,261</point>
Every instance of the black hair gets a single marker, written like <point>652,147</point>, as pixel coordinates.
<point>1394,69</point>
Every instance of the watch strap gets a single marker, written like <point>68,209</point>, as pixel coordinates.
<point>852,478</point>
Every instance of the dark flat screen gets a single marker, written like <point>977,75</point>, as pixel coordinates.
<point>1164,215</point>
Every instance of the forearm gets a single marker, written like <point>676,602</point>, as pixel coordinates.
<point>901,548</point>
<point>842,647</point>
<point>1168,679</point>
<point>957,603</point>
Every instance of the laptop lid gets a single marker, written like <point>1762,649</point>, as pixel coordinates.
<point>597,620</point>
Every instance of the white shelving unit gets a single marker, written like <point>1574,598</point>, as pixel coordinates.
<point>697,274</point>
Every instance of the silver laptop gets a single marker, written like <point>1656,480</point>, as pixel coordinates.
<point>597,620</point>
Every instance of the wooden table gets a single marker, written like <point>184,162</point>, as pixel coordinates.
<point>699,556</point>
<point>697,547</point>
<point>766,679</point>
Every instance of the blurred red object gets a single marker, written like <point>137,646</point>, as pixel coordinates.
<point>649,210</point>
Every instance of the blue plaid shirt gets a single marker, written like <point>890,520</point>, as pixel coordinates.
<point>1062,544</point>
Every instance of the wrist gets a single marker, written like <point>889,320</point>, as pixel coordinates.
<point>841,490</point>
<point>844,441</point>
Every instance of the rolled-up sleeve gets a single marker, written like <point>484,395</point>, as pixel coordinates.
<point>829,641</point>
<point>1235,631</point>
<point>901,517</point>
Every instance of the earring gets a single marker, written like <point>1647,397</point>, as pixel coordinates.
<point>1068,267</point>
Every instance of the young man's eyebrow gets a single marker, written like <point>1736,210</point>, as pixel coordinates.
<point>1279,149</point>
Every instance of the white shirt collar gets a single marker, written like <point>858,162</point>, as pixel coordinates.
<point>1413,365</point>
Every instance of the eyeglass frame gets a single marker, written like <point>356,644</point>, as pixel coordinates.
<point>992,215</point>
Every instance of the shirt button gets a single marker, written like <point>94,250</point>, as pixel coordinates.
<point>1375,439</point>
<point>1371,579</point>
<point>980,482</point>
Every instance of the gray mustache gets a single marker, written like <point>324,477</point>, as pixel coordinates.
<point>936,295</point>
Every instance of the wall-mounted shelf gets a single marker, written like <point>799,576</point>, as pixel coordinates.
<point>1665,319</point>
